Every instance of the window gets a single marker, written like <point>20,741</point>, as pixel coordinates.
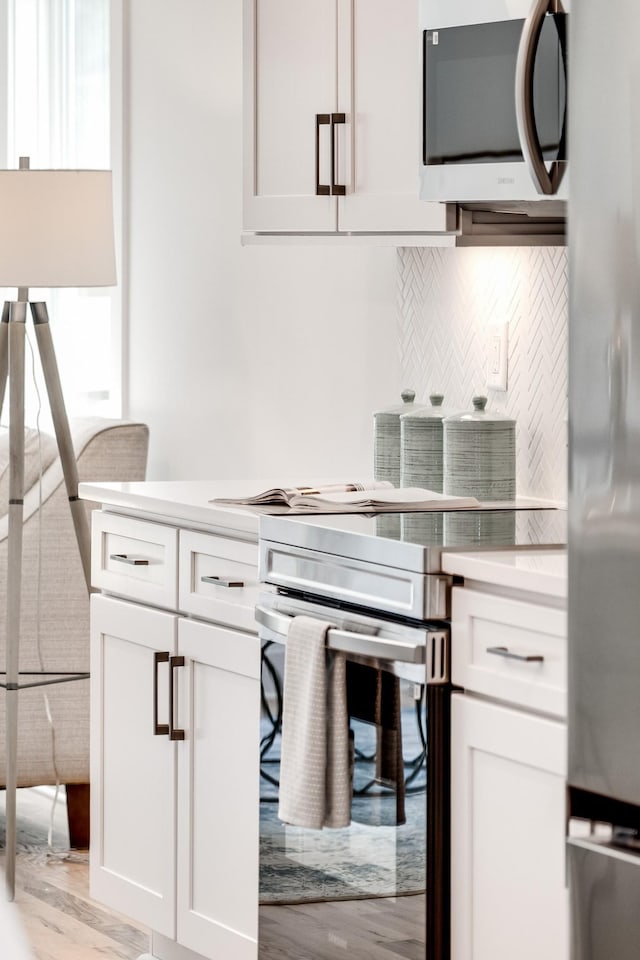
<point>57,112</point>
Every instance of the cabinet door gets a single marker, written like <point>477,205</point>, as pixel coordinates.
<point>380,94</point>
<point>508,782</point>
<point>218,791</point>
<point>289,60</point>
<point>132,858</point>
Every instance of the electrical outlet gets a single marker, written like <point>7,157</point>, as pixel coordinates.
<point>498,356</point>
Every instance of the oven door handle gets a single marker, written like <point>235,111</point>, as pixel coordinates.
<point>346,641</point>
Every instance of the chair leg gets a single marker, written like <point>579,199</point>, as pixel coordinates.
<point>78,815</point>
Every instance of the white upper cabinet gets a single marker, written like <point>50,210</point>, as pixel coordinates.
<point>290,92</point>
<point>332,106</point>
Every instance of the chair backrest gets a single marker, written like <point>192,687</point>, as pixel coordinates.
<point>106,449</point>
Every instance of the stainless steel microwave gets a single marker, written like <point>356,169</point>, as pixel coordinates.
<point>494,113</point>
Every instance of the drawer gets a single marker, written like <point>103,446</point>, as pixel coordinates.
<point>482,622</point>
<point>135,559</point>
<point>218,579</point>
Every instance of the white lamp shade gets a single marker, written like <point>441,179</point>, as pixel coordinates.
<point>56,228</point>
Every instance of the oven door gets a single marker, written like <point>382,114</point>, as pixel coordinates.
<point>494,100</point>
<point>381,884</point>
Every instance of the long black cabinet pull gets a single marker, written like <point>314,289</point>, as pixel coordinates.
<point>337,189</point>
<point>322,189</point>
<point>159,729</point>
<point>174,732</point>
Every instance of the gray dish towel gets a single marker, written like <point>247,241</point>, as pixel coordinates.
<point>315,769</point>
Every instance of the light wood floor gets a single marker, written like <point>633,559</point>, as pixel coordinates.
<point>52,892</point>
<point>63,923</point>
<point>384,929</point>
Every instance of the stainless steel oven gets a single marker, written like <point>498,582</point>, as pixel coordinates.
<point>494,116</point>
<point>325,875</point>
<point>379,887</point>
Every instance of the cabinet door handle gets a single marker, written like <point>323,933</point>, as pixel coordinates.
<point>524,657</point>
<point>222,581</point>
<point>125,558</point>
<point>322,189</point>
<point>159,729</point>
<point>174,732</point>
<point>337,189</point>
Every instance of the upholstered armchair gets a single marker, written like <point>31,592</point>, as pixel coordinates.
<point>55,606</point>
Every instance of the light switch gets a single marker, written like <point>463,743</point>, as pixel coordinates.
<point>498,356</point>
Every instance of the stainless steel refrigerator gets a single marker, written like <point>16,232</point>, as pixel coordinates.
<point>604,494</point>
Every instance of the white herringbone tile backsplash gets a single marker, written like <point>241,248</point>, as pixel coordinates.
<point>448,298</point>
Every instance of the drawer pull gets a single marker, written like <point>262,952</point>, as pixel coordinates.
<point>159,729</point>
<point>174,732</point>
<point>524,657</point>
<point>223,581</point>
<point>125,558</point>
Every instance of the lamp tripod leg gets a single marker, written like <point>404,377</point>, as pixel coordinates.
<point>63,434</point>
<point>4,352</point>
<point>16,340</point>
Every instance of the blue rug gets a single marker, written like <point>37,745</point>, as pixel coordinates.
<point>373,857</point>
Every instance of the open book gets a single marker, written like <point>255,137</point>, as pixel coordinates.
<point>373,496</point>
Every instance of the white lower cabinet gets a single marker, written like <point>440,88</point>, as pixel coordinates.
<point>133,772</point>
<point>174,822</point>
<point>508,785</point>
<point>218,791</point>
<point>508,762</point>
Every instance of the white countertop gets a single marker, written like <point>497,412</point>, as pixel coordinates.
<point>181,500</point>
<point>539,571</point>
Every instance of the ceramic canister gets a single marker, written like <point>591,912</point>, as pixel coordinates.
<point>386,439</point>
<point>421,445</point>
<point>386,456</point>
<point>480,454</point>
<point>479,461</point>
<point>421,465</point>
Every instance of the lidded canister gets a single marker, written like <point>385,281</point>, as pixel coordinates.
<point>421,465</point>
<point>480,461</point>
<point>480,454</point>
<point>421,445</point>
<point>386,439</point>
<point>386,457</point>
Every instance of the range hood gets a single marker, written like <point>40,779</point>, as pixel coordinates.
<point>539,223</point>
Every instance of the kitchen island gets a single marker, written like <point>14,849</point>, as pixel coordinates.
<point>176,708</point>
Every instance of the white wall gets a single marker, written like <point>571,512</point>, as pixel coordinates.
<point>244,361</point>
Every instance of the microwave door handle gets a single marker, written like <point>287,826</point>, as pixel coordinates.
<point>544,181</point>
<point>347,641</point>
<point>558,169</point>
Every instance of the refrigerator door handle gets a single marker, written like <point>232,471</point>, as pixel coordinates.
<point>545,181</point>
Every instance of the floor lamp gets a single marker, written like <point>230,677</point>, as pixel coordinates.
<point>57,232</point>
